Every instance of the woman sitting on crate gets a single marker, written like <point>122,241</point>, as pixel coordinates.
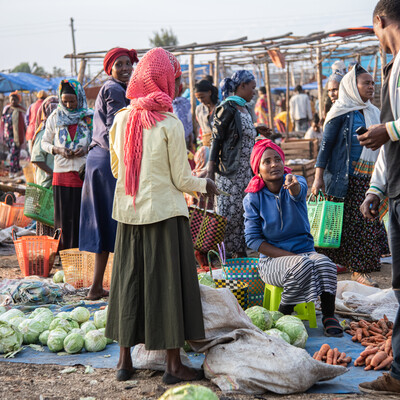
<point>43,161</point>
<point>67,136</point>
<point>344,169</point>
<point>276,225</point>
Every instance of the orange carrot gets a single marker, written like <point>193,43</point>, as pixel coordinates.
<point>378,358</point>
<point>346,360</point>
<point>365,332</point>
<point>336,355</point>
<point>359,361</point>
<point>367,368</point>
<point>390,333</point>
<point>363,324</point>
<point>359,334</point>
<point>329,357</point>
<point>369,350</point>
<point>323,351</point>
<point>388,345</point>
<point>386,362</point>
<point>315,355</point>
<point>374,328</point>
<point>369,359</point>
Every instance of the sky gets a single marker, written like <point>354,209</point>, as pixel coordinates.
<point>38,30</point>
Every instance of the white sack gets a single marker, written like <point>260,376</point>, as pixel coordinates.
<point>241,358</point>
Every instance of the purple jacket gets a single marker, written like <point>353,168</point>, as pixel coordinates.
<point>110,99</point>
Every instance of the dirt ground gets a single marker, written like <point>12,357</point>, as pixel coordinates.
<point>32,381</point>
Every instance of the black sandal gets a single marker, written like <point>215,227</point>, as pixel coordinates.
<point>125,374</point>
<point>172,380</point>
<point>332,324</point>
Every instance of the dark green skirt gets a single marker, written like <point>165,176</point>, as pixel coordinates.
<point>154,295</point>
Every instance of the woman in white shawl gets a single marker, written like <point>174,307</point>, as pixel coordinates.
<point>343,171</point>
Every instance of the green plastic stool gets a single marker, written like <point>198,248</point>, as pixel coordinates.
<point>305,311</point>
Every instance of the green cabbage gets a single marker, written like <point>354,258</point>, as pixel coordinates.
<point>45,318</point>
<point>63,314</point>
<point>73,343</point>
<point>80,314</point>
<point>15,321</point>
<point>11,314</point>
<point>275,315</point>
<point>294,328</point>
<point>58,277</point>
<point>39,311</point>
<point>100,319</point>
<point>31,329</point>
<point>10,338</point>
<point>78,331</point>
<point>66,324</point>
<point>189,392</point>
<point>2,310</point>
<point>260,317</point>
<point>95,341</point>
<point>103,331</point>
<point>88,326</point>
<point>55,340</point>
<point>277,333</point>
<point>205,279</point>
<point>43,337</point>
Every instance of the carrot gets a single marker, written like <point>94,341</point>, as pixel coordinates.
<point>329,357</point>
<point>323,351</point>
<point>359,334</point>
<point>385,318</point>
<point>342,364</point>
<point>354,338</point>
<point>359,361</point>
<point>315,355</point>
<point>350,332</point>
<point>386,362</point>
<point>363,324</point>
<point>369,359</point>
<point>346,360</point>
<point>378,358</point>
<point>374,328</point>
<point>383,326</point>
<point>377,335</point>
<point>365,332</point>
<point>354,325</point>
<point>336,355</point>
<point>367,368</point>
<point>390,333</point>
<point>369,350</point>
<point>341,357</point>
<point>388,345</point>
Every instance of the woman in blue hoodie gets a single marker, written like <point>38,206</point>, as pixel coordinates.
<point>276,225</point>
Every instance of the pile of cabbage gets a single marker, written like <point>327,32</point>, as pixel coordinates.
<point>273,323</point>
<point>66,331</point>
<point>189,392</point>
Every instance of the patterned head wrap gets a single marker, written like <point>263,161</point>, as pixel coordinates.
<point>16,93</point>
<point>257,183</point>
<point>229,85</point>
<point>115,53</point>
<point>151,90</point>
<point>335,77</point>
<point>66,117</point>
<point>47,107</point>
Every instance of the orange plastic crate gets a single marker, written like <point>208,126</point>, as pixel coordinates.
<point>12,214</point>
<point>36,254</point>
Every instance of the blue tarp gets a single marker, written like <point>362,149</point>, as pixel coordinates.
<point>308,86</point>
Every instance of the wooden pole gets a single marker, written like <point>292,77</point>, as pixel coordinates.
<point>94,78</point>
<point>192,96</point>
<point>319,81</point>
<point>382,54</point>
<point>268,89</point>
<point>73,42</point>
<point>287,98</point>
<point>82,67</point>
<point>216,69</point>
<point>375,73</point>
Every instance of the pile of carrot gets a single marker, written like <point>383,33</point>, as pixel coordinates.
<point>377,338</point>
<point>331,356</point>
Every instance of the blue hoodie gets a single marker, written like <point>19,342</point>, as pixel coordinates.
<point>280,220</point>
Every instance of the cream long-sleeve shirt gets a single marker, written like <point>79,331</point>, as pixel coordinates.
<point>164,174</point>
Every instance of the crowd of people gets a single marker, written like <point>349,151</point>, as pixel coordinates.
<point>119,174</point>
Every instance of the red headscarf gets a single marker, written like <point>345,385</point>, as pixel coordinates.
<point>151,90</point>
<point>257,183</point>
<point>115,53</point>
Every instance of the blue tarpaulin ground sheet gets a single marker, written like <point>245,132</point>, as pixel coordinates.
<point>108,358</point>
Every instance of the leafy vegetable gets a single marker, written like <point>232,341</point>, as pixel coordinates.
<point>15,321</point>
<point>73,343</point>
<point>260,317</point>
<point>62,323</point>
<point>58,277</point>
<point>45,318</point>
<point>294,328</point>
<point>88,326</point>
<point>80,314</point>
<point>205,279</point>
<point>277,333</point>
<point>63,314</point>
<point>55,340</point>
<point>103,330</point>
<point>10,338</point>
<point>100,319</point>
<point>95,341</point>
<point>2,310</point>
<point>43,337</point>
<point>189,392</point>
<point>31,329</point>
<point>275,315</point>
<point>11,314</point>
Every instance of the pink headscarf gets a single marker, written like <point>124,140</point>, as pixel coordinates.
<point>151,90</point>
<point>257,183</point>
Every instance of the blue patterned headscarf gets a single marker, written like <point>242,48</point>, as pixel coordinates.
<point>229,85</point>
<point>335,77</point>
<point>65,116</point>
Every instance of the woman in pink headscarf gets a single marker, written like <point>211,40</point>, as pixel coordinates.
<point>276,225</point>
<point>154,296</point>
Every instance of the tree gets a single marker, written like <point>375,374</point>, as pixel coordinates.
<point>23,67</point>
<point>58,72</point>
<point>35,69</point>
<point>164,39</point>
<point>38,70</point>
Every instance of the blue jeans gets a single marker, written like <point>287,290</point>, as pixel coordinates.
<point>394,238</point>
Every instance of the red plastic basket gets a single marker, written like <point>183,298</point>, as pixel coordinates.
<point>36,254</point>
<point>12,214</point>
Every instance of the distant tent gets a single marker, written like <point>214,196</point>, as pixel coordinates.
<point>307,86</point>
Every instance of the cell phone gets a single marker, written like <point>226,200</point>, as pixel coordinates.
<point>361,130</point>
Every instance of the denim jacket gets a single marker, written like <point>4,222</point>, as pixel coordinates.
<point>227,135</point>
<point>334,154</point>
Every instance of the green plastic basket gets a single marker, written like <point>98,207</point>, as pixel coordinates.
<point>326,220</point>
<point>39,204</point>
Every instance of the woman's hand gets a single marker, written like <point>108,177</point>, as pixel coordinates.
<point>369,207</point>
<point>64,152</point>
<point>80,152</point>
<point>292,184</point>
<point>317,186</point>
<point>211,188</point>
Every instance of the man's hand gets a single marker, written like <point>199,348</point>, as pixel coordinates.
<point>211,188</point>
<point>264,131</point>
<point>318,185</point>
<point>375,137</point>
<point>369,207</point>
<point>292,184</point>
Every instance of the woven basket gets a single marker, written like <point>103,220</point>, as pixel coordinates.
<point>39,204</point>
<point>78,268</point>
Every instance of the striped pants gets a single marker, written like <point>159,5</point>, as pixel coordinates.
<point>303,277</point>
